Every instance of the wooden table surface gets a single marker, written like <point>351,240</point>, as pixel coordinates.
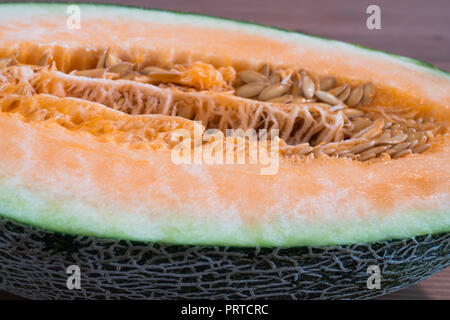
<point>415,28</point>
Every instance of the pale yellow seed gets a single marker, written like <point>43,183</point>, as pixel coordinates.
<point>162,75</point>
<point>398,138</point>
<point>302,100</point>
<point>355,96</point>
<point>368,93</point>
<point>363,146</point>
<point>336,108</point>
<point>152,69</point>
<point>111,59</point>
<point>308,86</point>
<point>282,99</point>
<point>265,70</point>
<point>360,123</point>
<point>274,78</point>
<point>367,156</point>
<point>249,76</point>
<point>413,143</point>
<point>251,89</point>
<point>296,90</point>
<point>328,98</point>
<point>401,154</point>
<point>44,60</point>
<point>422,148</point>
<point>91,73</point>
<point>273,91</point>
<point>326,83</point>
<point>352,112</point>
<point>400,146</point>
<point>338,90</point>
<point>122,68</point>
<point>344,94</point>
<point>375,150</point>
<point>102,59</point>
<point>132,76</point>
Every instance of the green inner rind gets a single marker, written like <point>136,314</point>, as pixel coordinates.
<point>71,216</point>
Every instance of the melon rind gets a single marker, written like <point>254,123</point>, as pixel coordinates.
<point>114,269</point>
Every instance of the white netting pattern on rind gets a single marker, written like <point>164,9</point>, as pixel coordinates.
<point>33,264</point>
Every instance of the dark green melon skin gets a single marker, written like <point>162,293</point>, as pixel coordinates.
<point>34,263</point>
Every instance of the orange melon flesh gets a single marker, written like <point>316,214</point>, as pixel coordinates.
<point>72,181</point>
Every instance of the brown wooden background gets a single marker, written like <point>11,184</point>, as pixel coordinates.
<point>415,28</point>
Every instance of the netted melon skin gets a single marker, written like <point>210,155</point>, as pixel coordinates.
<point>34,263</point>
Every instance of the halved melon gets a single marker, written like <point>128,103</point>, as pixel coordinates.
<point>90,119</point>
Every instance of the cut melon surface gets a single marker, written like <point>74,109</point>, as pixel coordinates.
<point>69,162</point>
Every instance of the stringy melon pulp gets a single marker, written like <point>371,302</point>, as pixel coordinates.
<point>308,127</point>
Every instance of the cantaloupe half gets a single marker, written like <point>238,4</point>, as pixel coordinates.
<point>91,156</point>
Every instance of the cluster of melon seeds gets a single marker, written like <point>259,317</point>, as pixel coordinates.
<point>196,76</point>
<point>267,84</point>
<point>375,132</point>
<point>316,116</point>
<point>289,86</point>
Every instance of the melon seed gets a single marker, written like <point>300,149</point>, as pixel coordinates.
<point>91,73</point>
<point>401,154</point>
<point>102,59</point>
<point>422,148</point>
<point>349,112</point>
<point>249,76</point>
<point>308,86</point>
<point>336,108</point>
<point>44,60</point>
<point>273,91</point>
<point>282,99</point>
<point>344,94</point>
<point>326,83</point>
<point>327,98</point>
<point>274,78</point>
<point>265,70</point>
<point>355,96</point>
<point>398,138</point>
<point>368,93</point>
<point>302,100</point>
<point>296,90</point>
<point>122,68</point>
<point>250,89</point>
<point>338,90</point>
<point>363,146</point>
<point>111,59</point>
<point>160,74</point>
<point>152,69</point>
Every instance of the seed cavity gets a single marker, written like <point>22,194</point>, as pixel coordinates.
<point>318,116</point>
